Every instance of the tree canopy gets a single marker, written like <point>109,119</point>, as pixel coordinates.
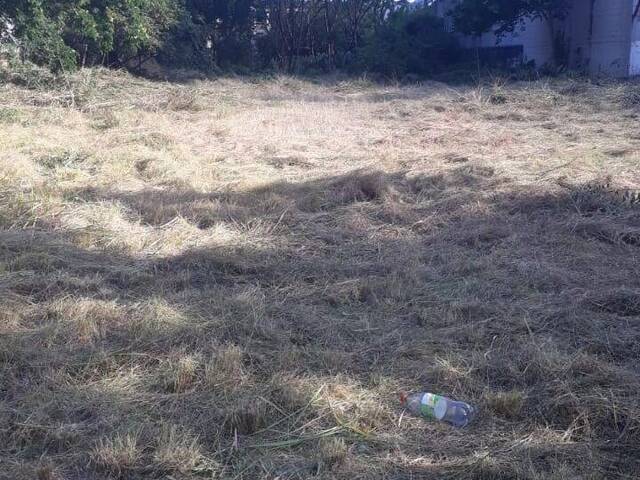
<point>393,37</point>
<point>389,36</point>
<point>65,33</point>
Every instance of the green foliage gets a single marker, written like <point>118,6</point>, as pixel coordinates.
<point>212,34</point>
<point>42,35</point>
<point>475,17</point>
<point>9,116</point>
<point>63,33</point>
<point>409,43</point>
<point>132,27</point>
<point>385,36</point>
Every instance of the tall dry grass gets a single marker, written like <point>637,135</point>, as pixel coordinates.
<point>235,278</point>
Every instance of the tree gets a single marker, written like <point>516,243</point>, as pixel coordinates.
<point>292,26</point>
<point>296,35</point>
<point>65,33</point>
<point>409,42</point>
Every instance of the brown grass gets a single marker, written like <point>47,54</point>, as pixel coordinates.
<point>235,278</point>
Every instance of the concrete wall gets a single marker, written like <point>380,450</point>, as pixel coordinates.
<point>611,37</point>
<point>534,36</point>
<point>604,41</point>
<point>577,30</point>
<point>634,57</point>
<point>598,34</point>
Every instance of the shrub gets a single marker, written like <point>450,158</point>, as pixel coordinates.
<point>413,42</point>
<point>63,34</point>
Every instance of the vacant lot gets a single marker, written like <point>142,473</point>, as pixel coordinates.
<point>235,279</point>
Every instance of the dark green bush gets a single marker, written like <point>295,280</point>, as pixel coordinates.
<point>410,42</point>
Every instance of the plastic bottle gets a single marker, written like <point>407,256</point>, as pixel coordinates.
<point>431,406</point>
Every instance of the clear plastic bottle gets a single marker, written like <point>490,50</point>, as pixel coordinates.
<point>431,406</point>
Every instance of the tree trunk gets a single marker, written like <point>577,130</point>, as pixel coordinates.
<point>84,54</point>
<point>552,37</point>
<point>477,42</point>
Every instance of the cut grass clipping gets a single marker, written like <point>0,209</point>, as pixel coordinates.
<point>235,278</point>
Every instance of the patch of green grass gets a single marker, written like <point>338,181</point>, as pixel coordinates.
<point>9,116</point>
<point>63,158</point>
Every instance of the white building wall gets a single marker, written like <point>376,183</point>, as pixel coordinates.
<point>611,37</point>
<point>533,35</point>
<point>634,57</point>
<point>603,41</point>
<point>578,34</point>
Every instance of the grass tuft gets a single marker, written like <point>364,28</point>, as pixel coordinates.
<point>506,404</point>
<point>180,374</point>
<point>225,369</point>
<point>176,452</point>
<point>118,455</point>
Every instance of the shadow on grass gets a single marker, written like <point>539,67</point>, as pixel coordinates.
<point>340,292</point>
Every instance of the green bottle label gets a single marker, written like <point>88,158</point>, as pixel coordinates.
<point>428,405</point>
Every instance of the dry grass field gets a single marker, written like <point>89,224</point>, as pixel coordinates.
<point>234,279</point>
